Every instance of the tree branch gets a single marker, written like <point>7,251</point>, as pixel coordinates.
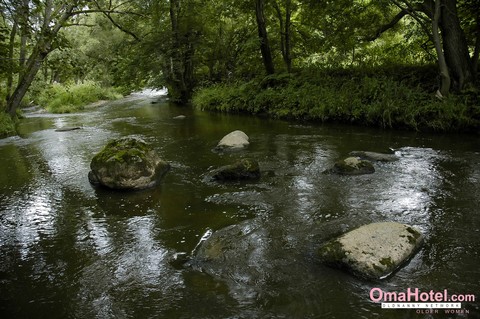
<point>389,25</point>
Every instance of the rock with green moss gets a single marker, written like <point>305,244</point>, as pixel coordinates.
<point>245,169</point>
<point>352,166</point>
<point>372,251</point>
<point>128,163</point>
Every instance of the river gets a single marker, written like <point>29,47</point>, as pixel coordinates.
<point>68,250</point>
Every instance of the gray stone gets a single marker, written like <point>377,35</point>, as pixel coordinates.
<point>180,117</point>
<point>234,140</point>
<point>352,166</point>
<point>372,251</point>
<point>127,163</point>
<point>372,156</point>
<point>245,169</point>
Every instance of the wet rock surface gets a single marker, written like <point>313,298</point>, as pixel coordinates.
<point>245,169</point>
<point>352,166</point>
<point>233,141</point>
<point>376,157</point>
<point>128,163</point>
<point>372,251</point>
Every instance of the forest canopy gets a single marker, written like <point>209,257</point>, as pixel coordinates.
<point>194,45</point>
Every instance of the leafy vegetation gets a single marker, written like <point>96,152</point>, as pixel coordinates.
<point>57,98</point>
<point>347,96</point>
<point>7,125</point>
<point>276,57</point>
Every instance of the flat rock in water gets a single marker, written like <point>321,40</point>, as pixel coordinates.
<point>372,251</point>
<point>180,117</point>
<point>245,169</point>
<point>67,129</point>
<point>352,166</point>
<point>234,140</point>
<point>372,156</point>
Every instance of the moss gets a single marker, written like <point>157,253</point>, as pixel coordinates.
<point>332,253</point>
<point>387,262</point>
<point>415,235</point>
<point>122,150</point>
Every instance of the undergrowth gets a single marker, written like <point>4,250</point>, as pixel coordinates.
<point>388,100</point>
<point>58,98</point>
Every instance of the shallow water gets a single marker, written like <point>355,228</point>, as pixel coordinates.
<point>68,250</point>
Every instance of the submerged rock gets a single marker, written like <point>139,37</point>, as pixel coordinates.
<point>245,169</point>
<point>180,117</point>
<point>127,163</point>
<point>372,156</point>
<point>234,140</point>
<point>67,129</point>
<point>352,166</point>
<point>372,251</point>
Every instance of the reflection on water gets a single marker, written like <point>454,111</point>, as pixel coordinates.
<point>71,251</point>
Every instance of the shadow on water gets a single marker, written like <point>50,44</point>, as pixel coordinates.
<point>69,250</point>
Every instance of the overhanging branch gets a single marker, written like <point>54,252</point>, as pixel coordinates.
<point>389,25</point>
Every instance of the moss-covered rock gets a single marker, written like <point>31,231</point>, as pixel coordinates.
<point>127,163</point>
<point>245,169</point>
<point>352,166</point>
<point>372,251</point>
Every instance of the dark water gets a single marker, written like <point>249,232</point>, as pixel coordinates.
<point>68,250</point>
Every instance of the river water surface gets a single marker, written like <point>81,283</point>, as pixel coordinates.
<point>68,250</point>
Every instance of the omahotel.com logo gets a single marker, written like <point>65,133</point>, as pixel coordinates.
<point>431,302</point>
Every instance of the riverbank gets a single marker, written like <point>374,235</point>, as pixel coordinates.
<point>7,125</point>
<point>393,97</point>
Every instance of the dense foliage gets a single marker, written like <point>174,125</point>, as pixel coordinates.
<point>224,49</point>
<point>367,97</point>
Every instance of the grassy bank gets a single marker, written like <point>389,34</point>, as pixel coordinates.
<point>58,98</point>
<point>7,125</point>
<point>389,98</point>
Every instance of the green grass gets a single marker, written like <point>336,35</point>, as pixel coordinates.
<point>392,98</point>
<point>58,98</point>
<point>7,125</point>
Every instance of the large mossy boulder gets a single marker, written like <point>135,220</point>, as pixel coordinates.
<point>372,251</point>
<point>128,163</point>
<point>233,141</point>
<point>245,169</point>
<point>352,166</point>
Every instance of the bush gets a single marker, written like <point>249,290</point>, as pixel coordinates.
<point>58,98</point>
<point>7,125</point>
<point>388,100</point>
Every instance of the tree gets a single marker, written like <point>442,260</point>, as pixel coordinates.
<point>263,37</point>
<point>44,19</point>
<point>435,16</point>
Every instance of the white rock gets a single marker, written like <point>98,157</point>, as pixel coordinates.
<point>373,251</point>
<point>235,139</point>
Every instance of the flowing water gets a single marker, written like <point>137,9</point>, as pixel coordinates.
<point>68,250</point>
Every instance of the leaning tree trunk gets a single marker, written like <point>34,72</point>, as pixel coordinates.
<point>263,36</point>
<point>444,74</point>
<point>455,45</point>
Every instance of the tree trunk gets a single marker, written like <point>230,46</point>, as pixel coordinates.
<point>180,76</point>
<point>33,65</point>
<point>444,74</point>
<point>476,52</point>
<point>455,45</point>
<point>285,32</point>
<point>11,46</point>
<point>263,36</point>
